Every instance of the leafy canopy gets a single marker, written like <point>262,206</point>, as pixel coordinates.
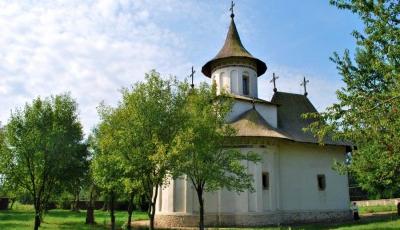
<point>368,109</point>
<point>43,145</point>
<point>202,147</point>
<point>140,130</point>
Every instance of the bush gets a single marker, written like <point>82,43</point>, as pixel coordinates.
<point>51,205</point>
<point>26,198</point>
<point>64,204</point>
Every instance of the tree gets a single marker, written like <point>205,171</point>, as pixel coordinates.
<point>42,142</point>
<point>77,175</point>
<point>107,169</point>
<point>141,130</point>
<point>367,111</point>
<point>132,188</point>
<point>7,188</point>
<point>110,170</point>
<point>201,148</point>
<point>90,183</point>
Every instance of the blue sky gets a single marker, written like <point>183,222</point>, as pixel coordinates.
<point>93,48</point>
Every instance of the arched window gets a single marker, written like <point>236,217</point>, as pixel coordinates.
<point>265,180</point>
<point>321,182</point>
<point>234,80</point>
<point>225,83</point>
<point>245,83</point>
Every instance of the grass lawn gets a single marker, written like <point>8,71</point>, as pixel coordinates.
<point>21,217</point>
<point>379,208</point>
<point>387,223</point>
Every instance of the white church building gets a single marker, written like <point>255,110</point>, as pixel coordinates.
<point>294,182</point>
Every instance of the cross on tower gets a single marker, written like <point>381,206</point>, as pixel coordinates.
<point>274,78</point>
<point>304,84</point>
<point>192,76</point>
<point>231,9</point>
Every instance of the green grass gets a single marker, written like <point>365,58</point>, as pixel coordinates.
<point>382,223</point>
<point>21,217</point>
<point>379,208</point>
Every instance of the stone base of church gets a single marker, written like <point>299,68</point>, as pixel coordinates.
<point>251,219</point>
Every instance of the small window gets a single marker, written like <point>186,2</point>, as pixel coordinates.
<point>321,182</point>
<point>265,180</point>
<point>245,85</point>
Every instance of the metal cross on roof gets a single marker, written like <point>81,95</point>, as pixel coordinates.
<point>231,9</point>
<point>274,78</point>
<point>192,76</point>
<point>304,84</point>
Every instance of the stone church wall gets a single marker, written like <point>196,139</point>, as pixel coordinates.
<point>293,195</point>
<point>300,165</point>
<point>253,219</point>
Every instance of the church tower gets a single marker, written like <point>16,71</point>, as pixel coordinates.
<point>234,69</point>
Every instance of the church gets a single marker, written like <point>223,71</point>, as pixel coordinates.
<point>294,182</point>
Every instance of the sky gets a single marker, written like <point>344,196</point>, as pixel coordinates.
<point>93,48</point>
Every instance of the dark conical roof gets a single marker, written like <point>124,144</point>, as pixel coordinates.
<point>233,47</point>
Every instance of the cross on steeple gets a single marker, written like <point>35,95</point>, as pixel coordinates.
<point>231,9</point>
<point>274,78</point>
<point>304,84</point>
<point>192,76</point>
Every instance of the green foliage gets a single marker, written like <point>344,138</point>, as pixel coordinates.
<point>201,147</point>
<point>367,112</point>
<point>43,144</point>
<point>108,170</point>
<point>139,132</point>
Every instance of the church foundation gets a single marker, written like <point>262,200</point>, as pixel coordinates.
<point>252,219</point>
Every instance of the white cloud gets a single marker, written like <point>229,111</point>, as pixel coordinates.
<point>90,48</point>
<point>93,48</point>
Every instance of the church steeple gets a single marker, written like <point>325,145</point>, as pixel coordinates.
<point>233,47</point>
<point>234,68</point>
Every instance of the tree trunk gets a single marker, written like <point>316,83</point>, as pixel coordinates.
<point>201,207</point>
<point>151,217</point>
<point>12,202</point>
<point>152,208</point>
<point>111,207</point>
<point>75,204</point>
<point>106,202</point>
<point>130,210</point>
<point>90,215</point>
<point>37,220</point>
<point>90,208</point>
<point>37,213</point>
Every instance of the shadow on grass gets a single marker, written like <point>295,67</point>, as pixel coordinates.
<point>16,215</point>
<point>381,223</point>
<point>55,219</point>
